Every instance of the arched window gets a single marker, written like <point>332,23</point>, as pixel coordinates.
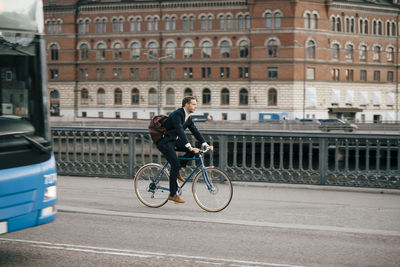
<point>244,48</point>
<point>273,48</point>
<point>185,23</point>
<point>118,96</point>
<point>314,21</point>
<point>206,49</point>
<point>135,50</point>
<point>380,31</point>
<point>307,20</point>
<point>268,20</point>
<point>173,24</point>
<point>335,51</point>
<point>187,49</point>
<point>153,49</point>
<point>366,26</point>
<point>81,26</point>
<point>390,54</point>
<point>98,25</point>
<point>53,52</point>
<point>115,25</point>
<point>240,22</point>
<point>104,25</point>
<point>84,96</point>
<point>167,25</point>
<point>248,21</point>
<point>311,49</point>
<point>349,51</point>
<point>138,24</point>
<point>54,95</point>
<point>156,24</point>
<point>188,92</point>
<point>170,50</point>
<point>170,96</point>
<point>222,23</point>
<point>243,97</point>
<point>203,22</point>
<point>374,27</point>
<point>377,53</point>
<point>117,51</point>
<point>272,97</point>
<point>206,96</point>
<point>277,20</point>
<point>101,96</point>
<point>363,52</point>
<point>135,96</point>
<point>228,22</point>
<point>132,25</point>
<point>121,25</point>
<point>225,49</point>
<point>393,29</point>
<point>191,23</point>
<point>210,22</point>
<point>84,51</point>
<point>333,23</point>
<point>153,96</point>
<point>149,24</point>
<point>338,25</point>
<point>101,51</point>
<point>224,96</point>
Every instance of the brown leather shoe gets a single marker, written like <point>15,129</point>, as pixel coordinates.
<point>176,199</point>
<point>180,178</point>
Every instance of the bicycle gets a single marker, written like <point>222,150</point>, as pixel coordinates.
<point>211,187</point>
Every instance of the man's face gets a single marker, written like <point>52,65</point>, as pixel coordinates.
<point>191,106</point>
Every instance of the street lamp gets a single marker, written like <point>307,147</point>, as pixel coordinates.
<point>159,78</point>
<point>304,74</point>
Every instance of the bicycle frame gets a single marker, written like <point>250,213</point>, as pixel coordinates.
<point>200,165</point>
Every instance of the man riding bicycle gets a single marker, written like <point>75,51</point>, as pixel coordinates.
<point>175,140</point>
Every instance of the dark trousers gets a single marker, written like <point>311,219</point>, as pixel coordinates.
<point>168,148</point>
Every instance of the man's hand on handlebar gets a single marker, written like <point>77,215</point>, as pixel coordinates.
<point>195,150</point>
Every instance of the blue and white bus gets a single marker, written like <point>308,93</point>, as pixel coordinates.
<point>27,167</point>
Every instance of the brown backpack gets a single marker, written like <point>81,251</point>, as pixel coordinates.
<point>156,128</point>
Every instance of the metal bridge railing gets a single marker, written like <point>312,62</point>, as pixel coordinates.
<point>362,160</point>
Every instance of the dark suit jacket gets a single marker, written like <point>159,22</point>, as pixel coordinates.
<point>176,126</point>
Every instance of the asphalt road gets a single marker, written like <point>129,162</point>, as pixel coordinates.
<point>101,223</point>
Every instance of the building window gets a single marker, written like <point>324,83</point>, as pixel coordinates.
<point>185,23</point>
<point>206,96</point>
<point>170,97</point>
<point>153,50</point>
<point>335,51</point>
<point>377,53</point>
<point>153,99</point>
<point>272,73</point>
<point>390,54</point>
<point>101,51</point>
<point>135,50</point>
<point>243,116</point>
<point>135,73</point>
<point>335,74</point>
<point>243,97</point>
<point>101,114</point>
<point>224,72</point>
<point>187,73</point>
<point>135,96</point>
<point>117,51</point>
<point>206,72</point>
<point>84,52</point>
<point>118,115</point>
<point>224,116</point>
<point>349,75</point>
<point>244,49</point>
<point>273,48</point>
<point>377,75</point>
<point>53,52</point>
<point>170,50</point>
<point>118,96</point>
<point>310,49</point>
<point>170,73</point>
<point>84,114</point>
<point>363,53</point>
<point>84,73</point>
<point>101,96</point>
<point>244,72</point>
<point>188,92</point>
<point>206,49</point>
<point>84,96</point>
<point>314,21</point>
<point>225,49</point>
<point>100,74</point>
<point>390,76</point>
<point>272,97</point>
<point>310,74</point>
<point>134,115</point>
<point>349,51</point>
<point>277,20</point>
<point>363,75</point>
<point>117,73</point>
<point>188,50</point>
<point>225,97</point>
<point>54,103</point>
<point>268,20</point>
<point>53,73</point>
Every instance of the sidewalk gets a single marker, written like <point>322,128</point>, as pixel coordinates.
<point>359,210</point>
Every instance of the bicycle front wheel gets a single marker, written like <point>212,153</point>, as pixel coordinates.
<point>152,185</point>
<point>212,189</point>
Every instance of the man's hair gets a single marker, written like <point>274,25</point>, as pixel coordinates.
<point>187,99</point>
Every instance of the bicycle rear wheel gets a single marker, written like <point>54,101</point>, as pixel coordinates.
<point>152,185</point>
<point>213,192</point>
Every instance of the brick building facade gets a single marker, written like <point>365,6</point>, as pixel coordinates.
<point>311,58</point>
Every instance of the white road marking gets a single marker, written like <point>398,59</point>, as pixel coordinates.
<point>142,254</point>
<point>230,221</point>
